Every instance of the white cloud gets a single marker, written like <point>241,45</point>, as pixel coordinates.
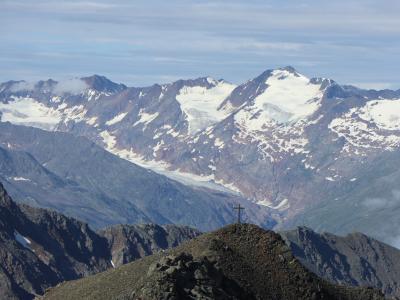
<point>72,86</point>
<point>22,86</point>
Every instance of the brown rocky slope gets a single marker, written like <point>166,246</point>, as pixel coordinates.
<point>235,262</point>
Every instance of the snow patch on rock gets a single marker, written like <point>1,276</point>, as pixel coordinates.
<point>145,118</point>
<point>109,140</point>
<point>22,240</point>
<point>200,104</point>
<point>20,179</point>
<point>116,119</point>
<point>385,114</point>
<point>372,126</point>
<point>283,205</point>
<point>29,112</point>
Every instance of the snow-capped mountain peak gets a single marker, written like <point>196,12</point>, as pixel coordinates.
<point>285,93</point>
<point>281,95</point>
<point>289,96</point>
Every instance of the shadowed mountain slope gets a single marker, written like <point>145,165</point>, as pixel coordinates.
<point>40,248</point>
<point>355,259</point>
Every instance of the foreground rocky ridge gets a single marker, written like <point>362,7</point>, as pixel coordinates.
<point>235,262</point>
<point>355,259</point>
<point>40,248</point>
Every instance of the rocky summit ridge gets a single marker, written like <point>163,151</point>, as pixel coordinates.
<point>235,262</point>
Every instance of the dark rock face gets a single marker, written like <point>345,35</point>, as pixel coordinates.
<point>355,259</point>
<point>102,84</point>
<point>235,262</point>
<point>41,248</point>
<point>130,242</point>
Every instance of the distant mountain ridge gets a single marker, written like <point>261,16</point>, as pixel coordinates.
<point>355,259</point>
<point>80,179</point>
<point>310,150</point>
<point>41,248</point>
<point>130,242</point>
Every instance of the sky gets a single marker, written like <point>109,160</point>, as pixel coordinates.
<point>144,42</point>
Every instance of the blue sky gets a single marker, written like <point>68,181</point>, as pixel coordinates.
<point>143,42</point>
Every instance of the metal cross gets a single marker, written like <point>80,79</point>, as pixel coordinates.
<point>239,209</point>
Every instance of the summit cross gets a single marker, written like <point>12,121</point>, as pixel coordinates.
<point>239,209</point>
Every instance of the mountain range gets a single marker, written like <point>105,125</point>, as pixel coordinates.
<point>308,150</point>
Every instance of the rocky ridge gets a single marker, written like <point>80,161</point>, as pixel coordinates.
<point>235,262</point>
